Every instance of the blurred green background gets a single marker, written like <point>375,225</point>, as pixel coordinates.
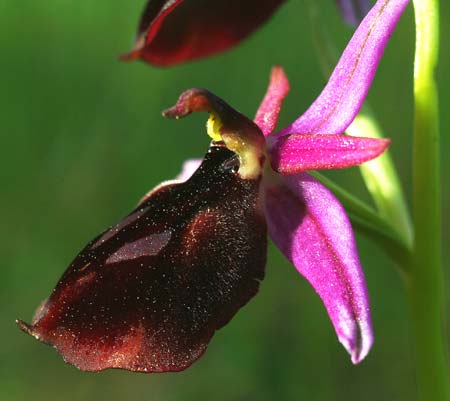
<point>83,139</point>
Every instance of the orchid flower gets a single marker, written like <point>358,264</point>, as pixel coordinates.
<point>148,293</point>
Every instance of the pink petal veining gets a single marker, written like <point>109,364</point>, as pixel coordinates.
<point>311,228</point>
<point>340,101</point>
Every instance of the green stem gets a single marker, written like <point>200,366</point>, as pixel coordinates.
<point>381,178</point>
<point>426,284</point>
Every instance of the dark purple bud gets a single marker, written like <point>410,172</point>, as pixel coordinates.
<point>174,31</point>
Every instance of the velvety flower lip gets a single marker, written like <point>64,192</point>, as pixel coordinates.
<point>149,293</point>
<point>353,11</point>
<point>174,31</point>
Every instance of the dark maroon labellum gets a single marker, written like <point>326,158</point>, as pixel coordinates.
<point>148,294</point>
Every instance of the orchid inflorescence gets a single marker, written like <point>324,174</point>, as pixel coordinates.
<point>148,293</point>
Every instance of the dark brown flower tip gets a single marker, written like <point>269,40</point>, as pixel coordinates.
<point>148,294</point>
<point>25,327</point>
<point>199,99</point>
<point>174,31</point>
<point>239,134</point>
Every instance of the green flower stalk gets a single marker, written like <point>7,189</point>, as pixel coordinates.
<point>426,284</point>
<point>382,180</point>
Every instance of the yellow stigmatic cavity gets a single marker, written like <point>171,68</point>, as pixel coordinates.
<point>239,134</point>
<point>213,127</point>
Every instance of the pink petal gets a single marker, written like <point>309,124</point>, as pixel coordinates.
<point>188,168</point>
<point>344,94</point>
<point>295,153</point>
<point>311,228</point>
<point>267,115</point>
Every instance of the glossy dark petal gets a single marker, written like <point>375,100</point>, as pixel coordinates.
<point>148,294</point>
<point>174,31</point>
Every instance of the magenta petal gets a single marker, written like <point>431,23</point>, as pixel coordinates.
<point>311,228</point>
<point>353,11</point>
<point>344,94</point>
<point>296,153</point>
<point>267,115</point>
<point>188,168</point>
